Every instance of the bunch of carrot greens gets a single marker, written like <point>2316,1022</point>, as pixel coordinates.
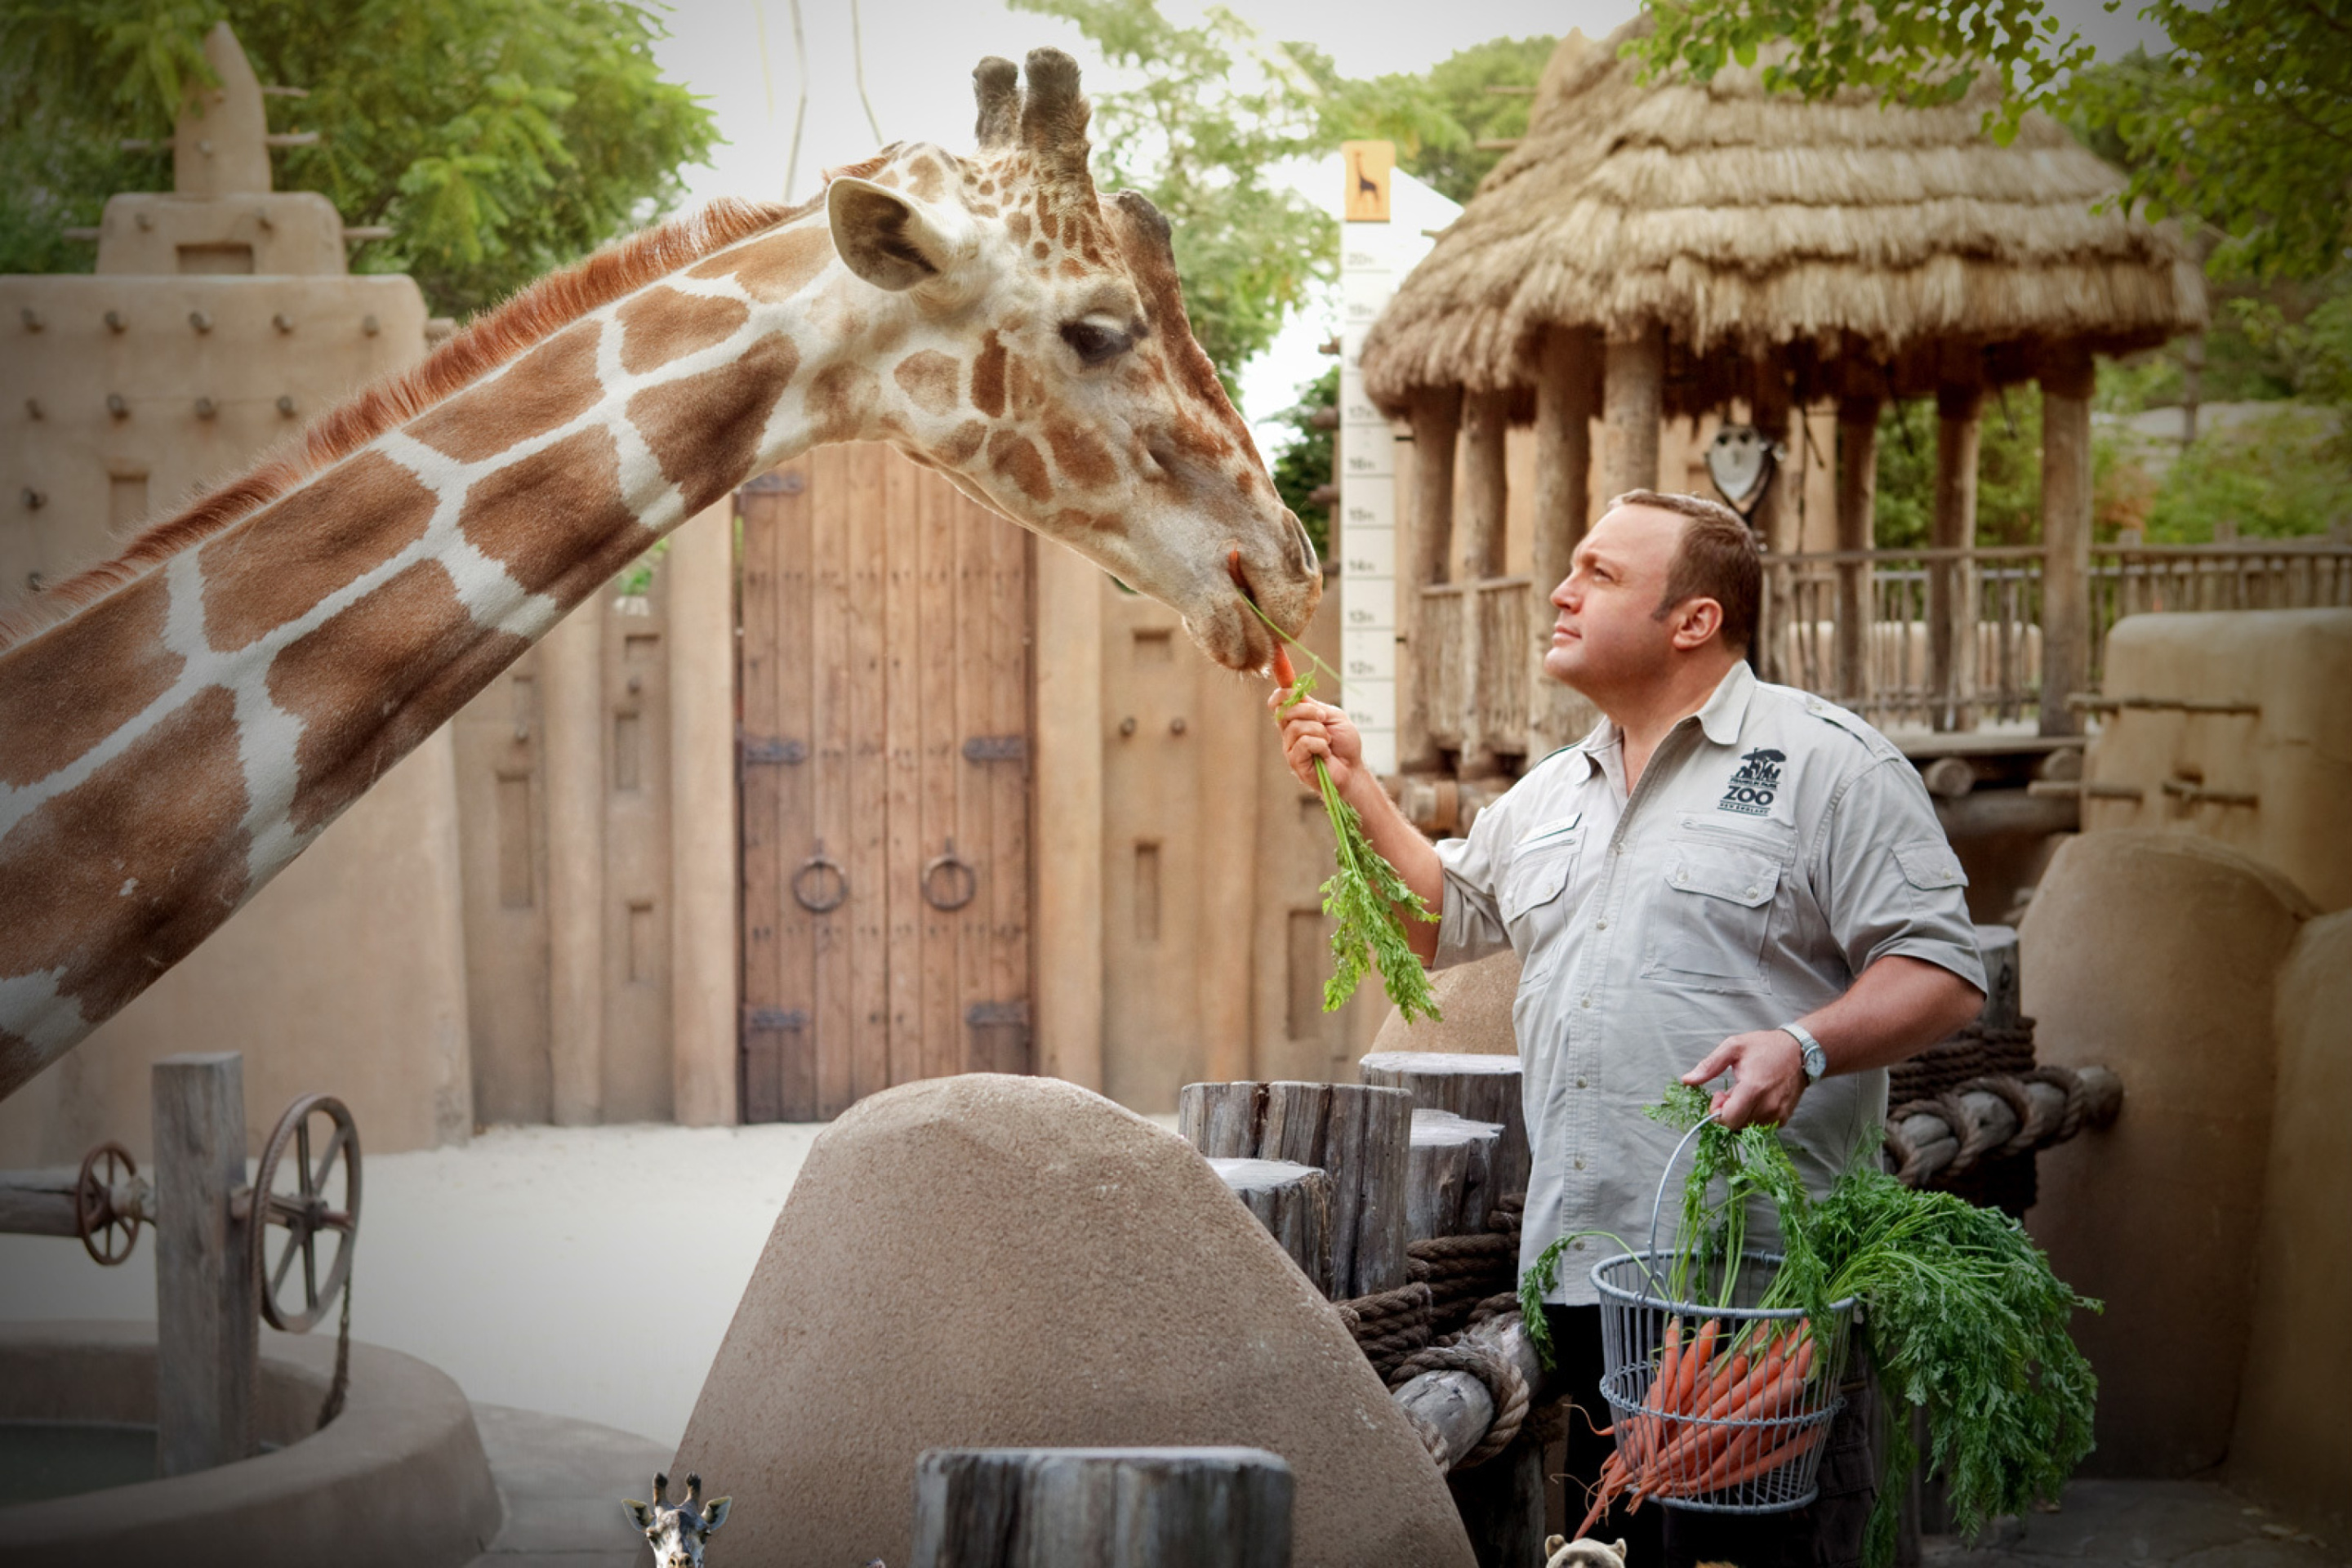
<point>1967,1324</point>
<point>1362,897</point>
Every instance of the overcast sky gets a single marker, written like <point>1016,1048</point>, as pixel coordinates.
<point>738,54</point>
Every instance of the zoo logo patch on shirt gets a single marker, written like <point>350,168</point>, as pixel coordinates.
<point>1753,784</point>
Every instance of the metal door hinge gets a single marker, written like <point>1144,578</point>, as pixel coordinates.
<point>996,748</point>
<point>773,749</point>
<point>774,1018</point>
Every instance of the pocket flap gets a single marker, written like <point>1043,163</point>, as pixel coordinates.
<point>1747,880</point>
<point>1930,865</point>
<point>1538,879</point>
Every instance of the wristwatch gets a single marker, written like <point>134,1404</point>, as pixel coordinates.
<point>1816,1063</point>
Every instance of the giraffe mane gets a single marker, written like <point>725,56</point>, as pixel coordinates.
<point>527,319</point>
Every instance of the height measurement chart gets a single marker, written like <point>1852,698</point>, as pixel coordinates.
<point>1370,266</point>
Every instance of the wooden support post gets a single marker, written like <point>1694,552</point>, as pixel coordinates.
<point>572,668</point>
<point>1632,397</point>
<point>2068,379</point>
<point>1450,1183</point>
<point>1951,584</point>
<point>1857,505</point>
<point>706,865</point>
<point>1483,1087</point>
<point>1293,1203</point>
<point>1363,1137</point>
<point>207,1328</point>
<point>1105,1508</point>
<point>1453,1409</point>
<point>1568,395</point>
<point>1066,817</point>
<point>1777,519</point>
<point>1485,500</point>
<point>1998,947</point>
<point>1502,1506</point>
<point>1436,417</point>
<point>38,1203</point>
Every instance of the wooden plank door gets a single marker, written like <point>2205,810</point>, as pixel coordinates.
<point>885,768</point>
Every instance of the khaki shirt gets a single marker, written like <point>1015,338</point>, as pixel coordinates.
<point>1777,845</point>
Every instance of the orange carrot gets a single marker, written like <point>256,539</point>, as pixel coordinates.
<point>1284,675</point>
<point>1694,1365</point>
<point>1728,1473</point>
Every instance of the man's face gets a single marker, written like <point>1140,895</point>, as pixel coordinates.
<point>1609,637</point>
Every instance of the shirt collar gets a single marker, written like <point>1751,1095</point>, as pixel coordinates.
<point>1725,711</point>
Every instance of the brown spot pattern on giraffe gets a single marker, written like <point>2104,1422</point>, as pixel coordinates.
<point>376,678</point>
<point>962,442</point>
<point>556,518</point>
<point>1081,454</point>
<point>174,868</point>
<point>554,383</point>
<point>74,685</point>
<point>1016,224</point>
<point>276,565</point>
<point>662,324</point>
<point>988,376</point>
<point>931,379</point>
<point>923,179</point>
<point>1017,458</point>
<point>776,267</point>
<point>705,429</point>
<point>839,399</point>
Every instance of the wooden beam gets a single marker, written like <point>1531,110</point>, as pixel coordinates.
<point>1632,398</point>
<point>1481,1087</point>
<point>1857,506</point>
<point>1066,818</point>
<point>1568,397</point>
<point>1453,1410</point>
<point>1952,584</point>
<point>1502,1506</point>
<point>1777,515</point>
<point>1293,1202</point>
<point>2067,383</point>
<point>38,1203</point>
<point>1112,1508</point>
<point>207,1323</point>
<point>1361,1136</point>
<point>1485,501</point>
<point>706,863</point>
<point>572,659</point>
<point>1428,530</point>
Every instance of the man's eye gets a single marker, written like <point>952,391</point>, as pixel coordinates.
<point>1094,344</point>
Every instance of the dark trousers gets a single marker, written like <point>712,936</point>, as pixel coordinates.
<point>1825,1533</point>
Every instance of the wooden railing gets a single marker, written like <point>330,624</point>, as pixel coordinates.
<point>1951,639</point>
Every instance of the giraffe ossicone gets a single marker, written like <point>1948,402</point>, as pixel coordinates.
<point>178,724</point>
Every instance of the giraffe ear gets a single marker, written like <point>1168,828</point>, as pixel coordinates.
<point>890,239</point>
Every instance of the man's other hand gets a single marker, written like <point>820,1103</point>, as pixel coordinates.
<point>1768,1072</point>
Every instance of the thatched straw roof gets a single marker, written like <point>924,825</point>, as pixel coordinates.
<point>1838,232</point>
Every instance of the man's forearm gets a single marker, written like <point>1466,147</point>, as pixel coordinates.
<point>1402,846</point>
<point>1894,1009</point>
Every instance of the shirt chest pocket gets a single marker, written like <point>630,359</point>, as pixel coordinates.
<point>1716,913</point>
<point>1539,874</point>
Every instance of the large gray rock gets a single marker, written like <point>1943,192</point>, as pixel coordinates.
<point>991,1261</point>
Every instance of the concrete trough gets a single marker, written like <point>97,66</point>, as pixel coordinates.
<point>398,1479</point>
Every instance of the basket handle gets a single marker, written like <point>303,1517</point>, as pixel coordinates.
<point>1658,1203</point>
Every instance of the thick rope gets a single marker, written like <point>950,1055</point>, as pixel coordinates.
<point>1489,1366</point>
<point>2036,1130</point>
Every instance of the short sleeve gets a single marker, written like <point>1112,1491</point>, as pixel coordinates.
<point>1890,883</point>
<point>1470,922</point>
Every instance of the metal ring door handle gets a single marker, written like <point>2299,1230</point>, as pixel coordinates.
<point>826,900</point>
<point>962,880</point>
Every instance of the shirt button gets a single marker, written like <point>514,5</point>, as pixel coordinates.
<point>1586,1003</point>
<point>1681,876</point>
<point>1751,892</point>
<point>1580,1161</point>
<point>1600,925</point>
<point>1580,1247</point>
<point>1580,1083</point>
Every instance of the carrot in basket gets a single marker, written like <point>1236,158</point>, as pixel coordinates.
<point>1728,1473</point>
<point>1693,1371</point>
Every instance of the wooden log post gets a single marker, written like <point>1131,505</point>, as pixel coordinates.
<point>1777,519</point>
<point>1485,500</point>
<point>1450,1185</point>
<point>1502,1506</point>
<point>38,1203</point>
<point>1857,507</point>
<point>1481,1087</point>
<point>1951,584</point>
<point>1454,1410</point>
<point>207,1328</point>
<point>1633,399</point>
<point>1103,1508</point>
<point>1568,396</point>
<point>572,693</point>
<point>1996,945</point>
<point>1361,1136</point>
<point>1293,1202</point>
<point>1436,418</point>
<point>2068,379</point>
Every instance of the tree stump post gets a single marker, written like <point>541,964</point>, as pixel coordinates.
<point>1450,1186</point>
<point>208,1327</point>
<point>1479,1087</point>
<point>1102,1508</point>
<point>1293,1202</point>
<point>1361,1136</point>
<point>1502,1505</point>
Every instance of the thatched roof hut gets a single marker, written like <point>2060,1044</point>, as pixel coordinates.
<point>1654,251</point>
<point>1744,223</point>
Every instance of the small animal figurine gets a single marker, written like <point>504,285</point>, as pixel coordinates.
<point>678,1533</point>
<point>1559,1551</point>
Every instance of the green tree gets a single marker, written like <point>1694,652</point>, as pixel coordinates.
<point>1464,84</point>
<point>1303,463</point>
<point>2009,471</point>
<point>496,139</point>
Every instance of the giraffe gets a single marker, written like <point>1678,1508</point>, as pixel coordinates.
<point>177,723</point>
<point>676,1532</point>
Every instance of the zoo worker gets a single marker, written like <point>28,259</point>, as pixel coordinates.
<point>1724,877</point>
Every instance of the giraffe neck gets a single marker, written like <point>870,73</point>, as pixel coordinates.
<point>170,747</point>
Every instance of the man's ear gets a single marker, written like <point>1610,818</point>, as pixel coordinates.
<point>1696,620</point>
<point>892,240</point>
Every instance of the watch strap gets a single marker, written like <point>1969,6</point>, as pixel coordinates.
<point>1817,1061</point>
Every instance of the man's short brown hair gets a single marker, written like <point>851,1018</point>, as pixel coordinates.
<point>1715,559</point>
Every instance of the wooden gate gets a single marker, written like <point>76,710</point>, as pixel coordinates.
<point>885,773</point>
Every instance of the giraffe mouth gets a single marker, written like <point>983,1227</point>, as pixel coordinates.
<point>1258,638</point>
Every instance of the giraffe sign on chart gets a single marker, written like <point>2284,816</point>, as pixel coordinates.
<point>176,724</point>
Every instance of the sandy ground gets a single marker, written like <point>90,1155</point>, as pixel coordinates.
<point>589,1272</point>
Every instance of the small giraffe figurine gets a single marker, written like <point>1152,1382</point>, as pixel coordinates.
<point>678,1533</point>
<point>177,724</point>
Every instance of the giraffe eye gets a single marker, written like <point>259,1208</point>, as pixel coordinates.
<point>1094,344</point>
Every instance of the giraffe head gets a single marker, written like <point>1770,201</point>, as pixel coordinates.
<point>676,1532</point>
<point>1033,347</point>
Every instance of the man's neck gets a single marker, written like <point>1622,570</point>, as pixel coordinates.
<point>1646,716</point>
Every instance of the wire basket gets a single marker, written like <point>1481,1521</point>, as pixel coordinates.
<point>1702,1457</point>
